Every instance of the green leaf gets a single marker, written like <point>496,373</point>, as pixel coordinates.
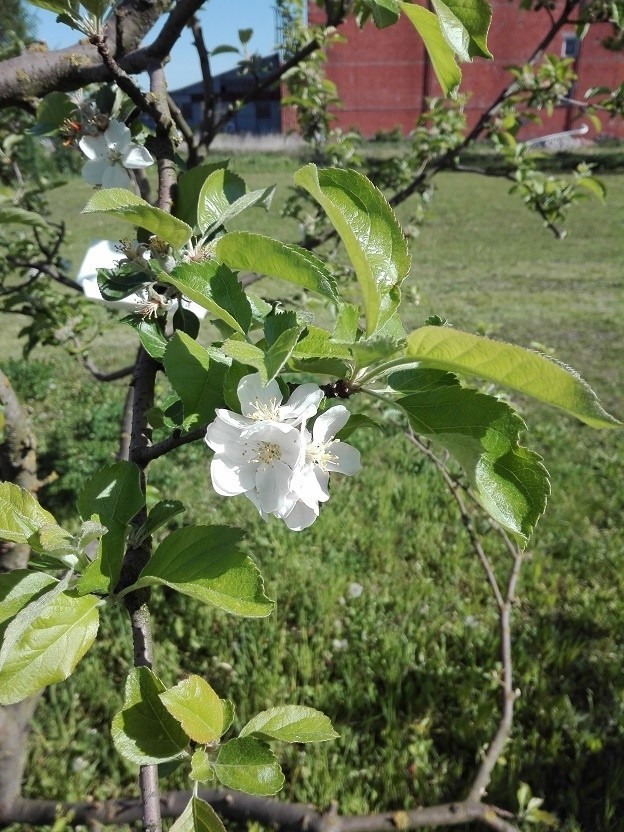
<point>101,575</point>
<point>190,183</point>
<point>197,708</point>
<point>290,723</point>
<point>144,731</point>
<point>201,767</point>
<point>242,250</point>
<point>55,6</point>
<point>385,12</point>
<point>198,816</point>
<point>224,196</point>
<point>52,540</point>
<point>421,380</point>
<point>11,214</point>
<point>116,285</point>
<point>113,493</point>
<point>219,191</point>
<point>267,363</point>
<point>465,24</point>
<point>318,343</point>
<point>20,514</point>
<point>160,514</point>
<point>203,562</point>
<point>442,55</point>
<point>215,288</point>
<point>223,48</point>
<point>96,7</point>
<point>347,322</point>
<point>244,35</point>
<point>151,334</point>
<point>510,366</point>
<point>368,228</point>
<point>19,588</point>
<point>44,642</point>
<point>277,322</point>
<point>482,432</point>
<point>125,205</point>
<point>197,380</point>
<point>249,765</point>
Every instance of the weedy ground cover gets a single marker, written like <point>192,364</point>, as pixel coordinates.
<point>408,596</point>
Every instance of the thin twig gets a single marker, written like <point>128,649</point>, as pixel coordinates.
<point>207,82</point>
<point>504,604</point>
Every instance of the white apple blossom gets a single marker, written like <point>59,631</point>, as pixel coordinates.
<point>109,154</point>
<point>269,455</point>
<point>323,454</point>
<point>260,403</point>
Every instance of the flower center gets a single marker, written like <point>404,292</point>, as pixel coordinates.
<point>266,412</point>
<point>319,455</point>
<point>267,452</point>
<point>114,156</point>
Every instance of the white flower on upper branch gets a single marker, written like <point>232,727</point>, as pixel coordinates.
<point>110,154</point>
<point>269,455</point>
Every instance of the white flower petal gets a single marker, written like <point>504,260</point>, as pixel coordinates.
<point>94,147</point>
<point>220,435</point>
<point>302,404</point>
<point>300,517</point>
<point>117,135</point>
<point>252,392</point>
<point>93,171</point>
<point>234,419</point>
<point>308,487</point>
<point>116,177</point>
<point>273,485</point>
<point>329,423</point>
<point>253,497</point>
<point>137,156</point>
<point>347,458</point>
<point>228,479</point>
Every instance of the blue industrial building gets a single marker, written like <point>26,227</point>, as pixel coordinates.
<point>259,117</point>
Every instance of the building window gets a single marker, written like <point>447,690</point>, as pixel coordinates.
<point>570,46</point>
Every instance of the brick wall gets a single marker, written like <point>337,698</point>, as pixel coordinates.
<point>384,76</point>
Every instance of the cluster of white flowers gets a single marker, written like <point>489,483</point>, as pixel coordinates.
<point>269,455</point>
<point>110,154</point>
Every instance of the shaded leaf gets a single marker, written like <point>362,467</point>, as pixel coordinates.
<point>143,731</point>
<point>197,380</point>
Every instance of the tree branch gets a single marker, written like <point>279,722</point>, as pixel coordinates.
<point>35,74</point>
<point>275,814</point>
<point>446,159</point>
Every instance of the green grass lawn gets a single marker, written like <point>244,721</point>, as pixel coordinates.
<point>407,670</point>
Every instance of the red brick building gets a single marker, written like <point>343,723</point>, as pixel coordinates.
<point>385,76</point>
